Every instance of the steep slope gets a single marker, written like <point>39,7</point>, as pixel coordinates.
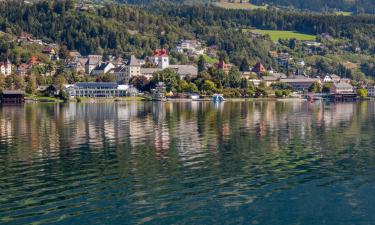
<point>355,6</point>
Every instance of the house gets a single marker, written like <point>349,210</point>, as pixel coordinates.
<point>96,90</point>
<point>24,37</point>
<point>270,69</point>
<point>300,84</point>
<point>23,69</point>
<point>92,62</point>
<point>74,55</point>
<point>184,71</point>
<point>269,80</point>
<point>160,58</point>
<point>51,90</point>
<point>273,78</point>
<point>223,66</point>
<point>6,68</point>
<point>188,45</point>
<point>120,74</point>
<point>133,67</point>
<point>341,88</point>
<point>102,68</point>
<point>13,97</point>
<point>327,79</point>
<point>256,82</point>
<point>76,64</point>
<point>118,61</point>
<point>212,51</point>
<point>191,47</point>
<point>371,90</point>
<point>49,51</point>
<point>259,69</point>
<point>148,72</point>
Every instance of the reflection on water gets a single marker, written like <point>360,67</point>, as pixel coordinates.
<point>195,162</point>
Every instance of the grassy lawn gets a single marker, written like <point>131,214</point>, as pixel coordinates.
<point>43,98</point>
<point>344,13</point>
<point>238,5</point>
<point>210,60</point>
<point>277,34</point>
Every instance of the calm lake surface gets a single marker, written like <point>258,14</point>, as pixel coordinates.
<point>188,163</point>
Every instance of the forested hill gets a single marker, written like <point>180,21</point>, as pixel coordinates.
<point>355,6</point>
<point>124,29</point>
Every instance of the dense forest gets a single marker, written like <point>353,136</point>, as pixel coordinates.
<point>358,6</point>
<point>124,29</point>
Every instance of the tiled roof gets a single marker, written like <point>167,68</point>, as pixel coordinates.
<point>97,85</point>
<point>13,92</point>
<point>134,61</point>
<point>342,85</point>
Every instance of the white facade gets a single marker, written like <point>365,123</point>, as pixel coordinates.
<point>371,91</point>
<point>161,61</point>
<point>6,68</point>
<point>102,68</point>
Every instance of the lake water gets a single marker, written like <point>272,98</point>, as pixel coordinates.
<point>188,163</point>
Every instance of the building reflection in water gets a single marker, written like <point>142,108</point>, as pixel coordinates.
<point>193,128</point>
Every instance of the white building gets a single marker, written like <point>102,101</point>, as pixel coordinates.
<point>92,62</point>
<point>96,90</point>
<point>342,88</point>
<point>6,68</point>
<point>102,68</point>
<point>192,47</point>
<point>160,58</point>
<point>371,91</point>
<point>133,68</point>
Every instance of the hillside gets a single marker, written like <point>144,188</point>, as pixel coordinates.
<point>359,6</point>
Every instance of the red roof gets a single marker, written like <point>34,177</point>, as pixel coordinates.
<point>222,65</point>
<point>160,52</point>
<point>259,68</point>
<point>34,60</point>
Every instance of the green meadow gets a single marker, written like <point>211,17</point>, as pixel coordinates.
<point>281,34</point>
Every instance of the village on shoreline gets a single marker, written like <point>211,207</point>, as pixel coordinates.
<point>106,77</point>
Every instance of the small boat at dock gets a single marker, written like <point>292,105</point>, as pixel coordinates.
<point>218,98</point>
<point>158,93</point>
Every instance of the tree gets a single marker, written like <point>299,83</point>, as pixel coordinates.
<point>244,65</point>
<point>183,86</point>
<point>31,84</point>
<point>362,93</point>
<point>327,87</point>
<point>18,82</point>
<point>106,78</point>
<point>292,43</point>
<point>60,82</point>
<point>209,87</point>
<point>244,83</point>
<point>233,79</point>
<point>315,87</point>
<point>169,77</point>
<point>140,82</point>
<point>279,93</point>
<point>2,82</point>
<point>201,64</point>
<point>193,88</point>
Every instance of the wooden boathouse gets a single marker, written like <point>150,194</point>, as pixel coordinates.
<point>13,97</point>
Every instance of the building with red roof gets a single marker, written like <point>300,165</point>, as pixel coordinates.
<point>160,58</point>
<point>223,66</point>
<point>259,68</point>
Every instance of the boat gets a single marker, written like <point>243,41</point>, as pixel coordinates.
<point>218,98</point>
<point>158,93</point>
